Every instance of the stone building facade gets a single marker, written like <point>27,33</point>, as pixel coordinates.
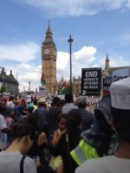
<point>49,54</point>
<point>8,83</point>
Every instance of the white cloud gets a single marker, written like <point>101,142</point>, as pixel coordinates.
<point>25,73</point>
<point>62,65</point>
<point>85,53</point>
<point>77,7</point>
<point>19,53</point>
<point>62,60</point>
<point>119,61</point>
<point>83,58</point>
<point>115,61</point>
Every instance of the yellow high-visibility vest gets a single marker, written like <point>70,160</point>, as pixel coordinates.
<point>83,152</point>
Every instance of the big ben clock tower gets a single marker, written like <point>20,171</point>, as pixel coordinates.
<point>49,61</point>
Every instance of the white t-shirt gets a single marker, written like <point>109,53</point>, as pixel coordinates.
<point>10,163</point>
<point>67,107</point>
<point>109,164</point>
<point>3,136</point>
<point>10,104</point>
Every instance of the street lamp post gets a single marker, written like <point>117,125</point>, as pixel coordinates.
<point>29,83</point>
<point>70,40</point>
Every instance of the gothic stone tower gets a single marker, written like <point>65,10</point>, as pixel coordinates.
<point>107,62</point>
<point>49,61</point>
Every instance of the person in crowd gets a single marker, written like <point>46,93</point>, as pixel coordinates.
<point>3,127</point>
<point>69,105</point>
<point>30,108</point>
<point>56,163</point>
<point>10,120</point>
<point>11,160</point>
<point>120,161</point>
<point>40,145</point>
<point>4,98</point>
<point>17,109</point>
<point>87,117</point>
<point>88,107</point>
<point>52,115</point>
<point>62,102</point>
<point>20,109</point>
<point>10,103</point>
<point>35,103</point>
<point>10,117</point>
<point>41,112</point>
<point>101,139</point>
<point>69,140</point>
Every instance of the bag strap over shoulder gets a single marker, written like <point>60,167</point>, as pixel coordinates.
<point>22,164</point>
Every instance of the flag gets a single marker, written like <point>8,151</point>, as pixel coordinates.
<point>43,82</point>
<point>63,89</point>
<point>0,85</point>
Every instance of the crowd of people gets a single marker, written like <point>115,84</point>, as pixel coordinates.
<point>65,137</point>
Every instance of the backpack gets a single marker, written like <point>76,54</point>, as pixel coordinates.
<point>22,164</point>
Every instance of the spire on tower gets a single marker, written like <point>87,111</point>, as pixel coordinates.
<point>107,59</point>
<point>49,37</point>
<point>107,62</point>
<point>49,28</point>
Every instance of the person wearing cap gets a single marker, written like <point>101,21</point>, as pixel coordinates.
<point>42,113</point>
<point>100,140</point>
<point>87,117</point>
<point>120,161</point>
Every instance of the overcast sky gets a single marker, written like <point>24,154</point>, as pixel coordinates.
<point>97,27</point>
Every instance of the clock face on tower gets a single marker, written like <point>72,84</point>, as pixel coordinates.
<point>46,51</point>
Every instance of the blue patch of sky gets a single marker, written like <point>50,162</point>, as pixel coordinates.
<point>21,23</point>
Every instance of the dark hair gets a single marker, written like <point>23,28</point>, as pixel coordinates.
<point>74,119</point>
<point>23,129</point>
<point>69,98</point>
<point>11,97</point>
<point>34,120</point>
<point>62,115</point>
<point>9,111</point>
<point>41,104</point>
<point>101,120</point>
<point>56,101</point>
<point>81,105</point>
<point>103,112</point>
<point>30,109</point>
<point>62,103</point>
<point>35,101</point>
<point>2,106</point>
<point>27,127</point>
<point>121,119</point>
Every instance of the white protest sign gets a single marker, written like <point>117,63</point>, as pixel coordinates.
<point>120,74</point>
